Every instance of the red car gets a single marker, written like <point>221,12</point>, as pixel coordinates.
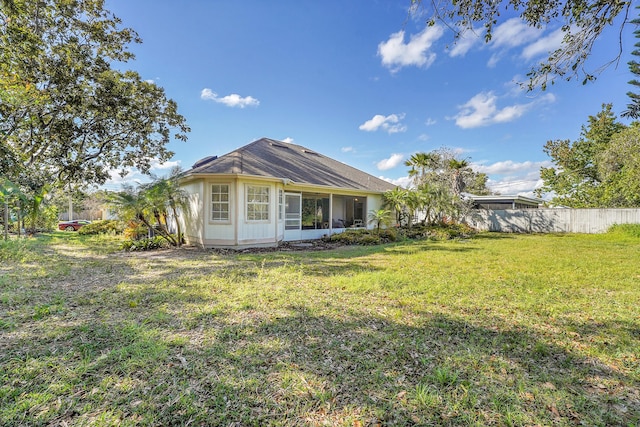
<point>74,225</point>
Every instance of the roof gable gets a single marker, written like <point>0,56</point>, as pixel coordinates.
<point>276,159</point>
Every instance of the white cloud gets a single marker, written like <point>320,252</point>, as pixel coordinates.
<point>493,61</point>
<point>423,137</point>
<point>482,110</point>
<point>468,38</point>
<point>544,45</point>
<point>155,165</point>
<point>396,53</point>
<point>430,122</point>
<point>347,150</point>
<point>404,182</point>
<point>391,162</point>
<point>288,140</point>
<point>512,33</point>
<point>511,186</point>
<point>513,178</point>
<point>390,124</point>
<point>509,167</point>
<point>233,100</point>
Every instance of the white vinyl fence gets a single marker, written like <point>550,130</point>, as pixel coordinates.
<point>551,220</point>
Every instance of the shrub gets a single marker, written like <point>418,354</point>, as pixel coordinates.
<point>365,237</point>
<point>108,226</point>
<point>440,231</point>
<point>145,244</point>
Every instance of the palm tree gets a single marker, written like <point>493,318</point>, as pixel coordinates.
<point>379,217</point>
<point>457,167</point>
<point>132,205</point>
<point>164,195</point>
<point>421,164</point>
<point>395,199</point>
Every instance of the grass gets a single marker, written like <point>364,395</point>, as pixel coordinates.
<point>499,330</point>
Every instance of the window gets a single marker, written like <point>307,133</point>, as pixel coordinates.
<point>280,204</point>
<point>220,202</point>
<point>257,203</point>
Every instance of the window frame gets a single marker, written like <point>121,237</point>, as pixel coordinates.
<point>264,206</point>
<point>220,202</point>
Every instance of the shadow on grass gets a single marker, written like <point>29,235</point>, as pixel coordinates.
<point>490,235</point>
<point>293,367</point>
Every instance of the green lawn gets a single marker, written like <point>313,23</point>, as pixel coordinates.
<point>499,330</point>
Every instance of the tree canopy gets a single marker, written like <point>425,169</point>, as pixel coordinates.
<point>65,111</point>
<point>599,169</point>
<point>581,22</point>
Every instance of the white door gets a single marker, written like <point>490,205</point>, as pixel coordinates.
<point>292,216</point>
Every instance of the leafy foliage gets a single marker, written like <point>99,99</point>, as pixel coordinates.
<point>365,237</point>
<point>147,208</point>
<point>380,217</point>
<point>600,169</point>
<point>65,111</point>
<point>440,231</point>
<point>145,244</point>
<point>581,23</point>
<point>109,226</point>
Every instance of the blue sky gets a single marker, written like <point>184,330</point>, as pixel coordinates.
<point>363,82</point>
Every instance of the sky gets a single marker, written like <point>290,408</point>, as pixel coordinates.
<point>364,82</point>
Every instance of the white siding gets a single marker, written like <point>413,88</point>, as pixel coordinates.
<point>257,232</point>
<point>220,232</point>
<point>192,221</point>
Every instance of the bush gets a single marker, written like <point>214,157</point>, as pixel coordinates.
<point>145,244</point>
<point>365,237</point>
<point>109,226</point>
<point>441,231</point>
<point>625,230</point>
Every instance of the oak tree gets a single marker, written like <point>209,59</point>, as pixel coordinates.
<point>67,112</point>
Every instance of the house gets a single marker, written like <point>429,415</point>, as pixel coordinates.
<point>504,202</point>
<point>271,191</point>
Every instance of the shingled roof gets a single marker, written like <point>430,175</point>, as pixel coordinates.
<point>281,160</point>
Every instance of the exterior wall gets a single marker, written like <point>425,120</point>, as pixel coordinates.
<point>192,221</point>
<point>201,230</point>
<point>218,233</point>
<point>552,220</point>
<point>257,232</point>
<point>374,203</point>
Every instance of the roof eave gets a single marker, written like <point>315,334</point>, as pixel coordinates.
<point>287,182</point>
